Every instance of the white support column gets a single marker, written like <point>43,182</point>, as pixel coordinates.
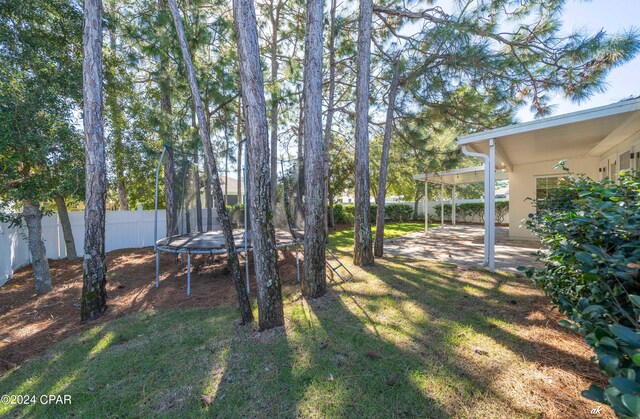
<point>453,205</point>
<point>441,203</point>
<point>426,206</point>
<point>492,204</point>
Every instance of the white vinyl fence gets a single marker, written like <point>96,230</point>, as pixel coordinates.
<point>123,230</point>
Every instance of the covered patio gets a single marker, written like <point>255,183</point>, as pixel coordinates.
<point>463,245</point>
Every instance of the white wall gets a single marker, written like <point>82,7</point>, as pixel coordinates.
<point>522,185</point>
<point>124,229</point>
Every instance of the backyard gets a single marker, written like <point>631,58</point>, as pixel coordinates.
<point>406,337</point>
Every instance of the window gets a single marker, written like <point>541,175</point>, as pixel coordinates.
<point>544,184</point>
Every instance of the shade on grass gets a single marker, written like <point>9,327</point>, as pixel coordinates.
<point>406,338</point>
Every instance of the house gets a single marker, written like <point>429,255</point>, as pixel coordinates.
<point>598,142</point>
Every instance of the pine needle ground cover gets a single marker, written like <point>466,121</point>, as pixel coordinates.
<point>405,338</point>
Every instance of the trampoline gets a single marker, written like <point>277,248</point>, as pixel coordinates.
<point>185,238</point>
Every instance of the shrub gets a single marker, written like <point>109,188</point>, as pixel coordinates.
<point>398,212</point>
<point>339,215</point>
<point>591,236</point>
<point>351,209</point>
<point>502,209</point>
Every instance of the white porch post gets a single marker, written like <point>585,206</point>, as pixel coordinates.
<point>453,205</point>
<point>426,206</point>
<point>441,203</point>
<point>491,215</point>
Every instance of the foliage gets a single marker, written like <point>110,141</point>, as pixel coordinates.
<point>591,234</point>
<point>398,212</point>
<point>473,211</point>
<point>40,148</point>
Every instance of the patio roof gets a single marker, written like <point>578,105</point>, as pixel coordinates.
<point>589,132</point>
<point>465,175</point>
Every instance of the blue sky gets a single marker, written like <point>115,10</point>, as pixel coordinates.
<point>613,16</point>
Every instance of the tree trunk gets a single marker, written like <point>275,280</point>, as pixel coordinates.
<point>275,22</point>
<point>208,198</point>
<point>117,119</point>
<point>94,293</point>
<point>362,252</point>
<point>300,165</point>
<point>384,163</point>
<point>314,283</point>
<point>223,216</point>
<point>69,241</point>
<point>166,136</point>
<point>329,121</point>
<point>169,182</point>
<point>33,218</point>
<point>226,169</point>
<point>239,139</point>
<point>270,309</point>
<point>332,216</point>
<point>196,180</point>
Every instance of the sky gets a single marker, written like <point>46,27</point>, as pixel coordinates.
<point>613,16</point>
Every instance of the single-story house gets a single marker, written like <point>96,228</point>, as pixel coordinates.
<point>598,142</point>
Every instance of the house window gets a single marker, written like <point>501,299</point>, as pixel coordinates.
<point>545,184</point>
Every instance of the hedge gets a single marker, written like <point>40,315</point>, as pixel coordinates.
<point>591,236</point>
<point>473,211</point>
<point>344,214</point>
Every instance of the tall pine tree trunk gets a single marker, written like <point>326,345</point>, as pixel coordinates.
<point>117,120</point>
<point>198,192</point>
<point>166,135</point>
<point>67,232</point>
<point>94,293</point>
<point>300,165</point>
<point>329,121</point>
<point>223,216</point>
<point>275,22</point>
<point>239,139</point>
<point>33,218</point>
<point>314,283</point>
<point>208,198</point>
<point>362,252</point>
<point>384,163</point>
<point>270,309</point>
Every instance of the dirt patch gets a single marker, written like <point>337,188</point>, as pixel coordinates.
<point>30,324</point>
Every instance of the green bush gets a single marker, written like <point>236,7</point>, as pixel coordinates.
<point>472,211</point>
<point>339,215</point>
<point>351,209</point>
<point>398,212</point>
<point>591,236</point>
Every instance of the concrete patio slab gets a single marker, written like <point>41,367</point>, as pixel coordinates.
<point>464,245</point>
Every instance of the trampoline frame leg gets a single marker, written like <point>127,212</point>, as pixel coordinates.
<point>157,268</point>
<point>188,274</point>
<point>297,264</point>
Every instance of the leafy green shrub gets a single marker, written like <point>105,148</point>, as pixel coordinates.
<point>591,236</point>
<point>339,215</point>
<point>398,212</point>
<point>502,209</point>
<point>471,211</point>
<point>446,208</point>
<point>351,209</point>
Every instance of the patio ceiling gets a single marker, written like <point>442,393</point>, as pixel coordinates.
<point>460,176</point>
<point>579,134</point>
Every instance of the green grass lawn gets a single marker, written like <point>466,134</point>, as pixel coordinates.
<point>403,339</point>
